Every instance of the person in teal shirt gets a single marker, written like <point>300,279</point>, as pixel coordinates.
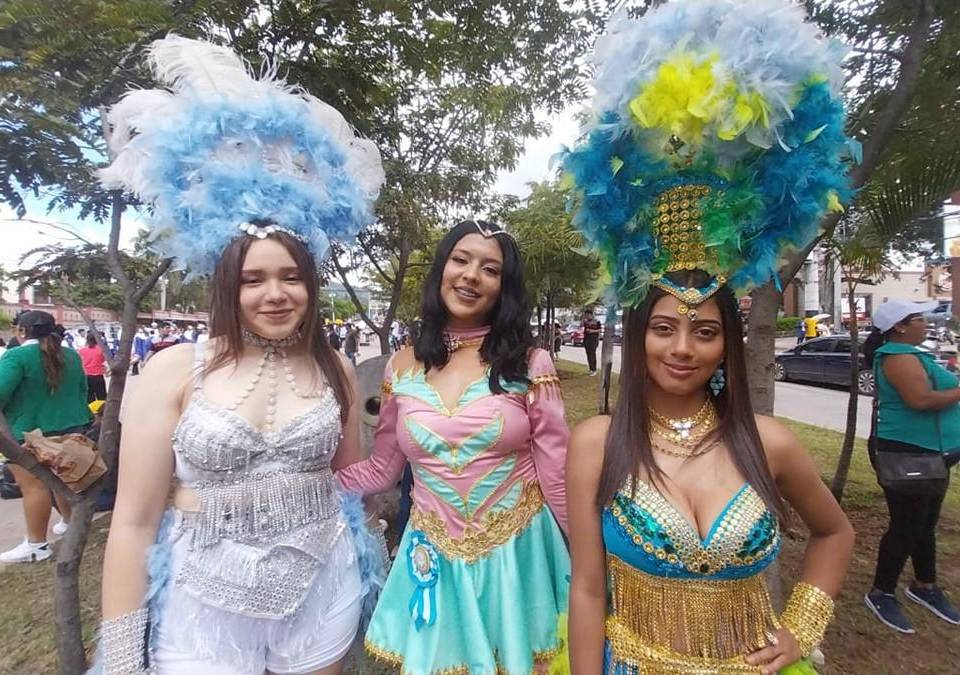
<point>917,412</point>
<point>42,386</point>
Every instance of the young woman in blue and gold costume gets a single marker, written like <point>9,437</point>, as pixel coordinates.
<point>717,142</point>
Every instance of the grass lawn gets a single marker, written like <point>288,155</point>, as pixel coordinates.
<point>856,643</point>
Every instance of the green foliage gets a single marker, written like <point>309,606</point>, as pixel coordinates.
<point>61,62</point>
<point>787,324</point>
<point>79,274</point>
<point>333,306</point>
<point>557,267</point>
<point>447,90</point>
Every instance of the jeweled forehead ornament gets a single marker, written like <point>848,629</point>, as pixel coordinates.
<point>678,233</point>
<point>488,232</point>
<point>264,231</point>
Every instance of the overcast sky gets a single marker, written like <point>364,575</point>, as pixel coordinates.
<point>18,237</point>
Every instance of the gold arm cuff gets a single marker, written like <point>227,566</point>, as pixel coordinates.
<point>544,385</point>
<point>494,528</point>
<point>807,615</point>
<point>386,388</point>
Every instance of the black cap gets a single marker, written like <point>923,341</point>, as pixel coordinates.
<point>36,323</point>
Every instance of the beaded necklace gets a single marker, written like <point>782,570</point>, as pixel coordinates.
<point>273,351</point>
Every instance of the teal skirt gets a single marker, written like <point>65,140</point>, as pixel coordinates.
<point>496,615</point>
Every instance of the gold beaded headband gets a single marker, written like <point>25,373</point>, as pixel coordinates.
<point>678,231</point>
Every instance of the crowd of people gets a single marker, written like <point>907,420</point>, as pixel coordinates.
<point>634,543</point>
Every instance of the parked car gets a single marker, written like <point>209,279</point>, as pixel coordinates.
<point>573,335</point>
<point>823,360</point>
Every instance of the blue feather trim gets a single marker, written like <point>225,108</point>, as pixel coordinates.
<point>370,560</point>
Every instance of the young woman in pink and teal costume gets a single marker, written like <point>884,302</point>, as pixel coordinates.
<point>481,575</point>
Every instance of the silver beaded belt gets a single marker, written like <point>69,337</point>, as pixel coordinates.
<point>259,507</point>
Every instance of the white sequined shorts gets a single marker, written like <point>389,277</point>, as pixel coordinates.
<point>193,637</point>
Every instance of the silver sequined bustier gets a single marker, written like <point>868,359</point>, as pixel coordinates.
<point>269,510</point>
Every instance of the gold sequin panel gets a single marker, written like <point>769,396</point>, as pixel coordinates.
<point>692,620</point>
<point>677,226</point>
<point>494,529</point>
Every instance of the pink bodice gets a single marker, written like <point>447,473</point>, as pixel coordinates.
<point>473,462</point>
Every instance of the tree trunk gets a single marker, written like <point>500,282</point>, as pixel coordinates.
<point>849,435</point>
<point>66,591</point>
<point>761,335</point>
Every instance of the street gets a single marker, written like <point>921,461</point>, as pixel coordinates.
<point>821,406</point>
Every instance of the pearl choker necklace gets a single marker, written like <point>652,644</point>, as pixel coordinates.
<point>273,351</point>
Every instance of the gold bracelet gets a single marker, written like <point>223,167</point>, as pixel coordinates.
<point>807,615</point>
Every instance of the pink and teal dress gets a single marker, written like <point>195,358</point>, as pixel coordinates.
<point>482,572</point>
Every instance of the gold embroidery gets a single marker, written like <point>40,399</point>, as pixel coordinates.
<point>386,388</point>
<point>694,619</point>
<point>396,660</point>
<point>493,530</point>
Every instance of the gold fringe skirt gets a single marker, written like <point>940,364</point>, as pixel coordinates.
<point>693,626</point>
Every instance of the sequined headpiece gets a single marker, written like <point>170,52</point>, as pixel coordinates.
<point>716,142</point>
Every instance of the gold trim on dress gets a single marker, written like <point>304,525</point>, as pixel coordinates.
<point>696,618</point>
<point>494,528</point>
<point>396,660</point>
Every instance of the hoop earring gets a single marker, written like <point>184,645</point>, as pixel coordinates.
<point>718,381</point>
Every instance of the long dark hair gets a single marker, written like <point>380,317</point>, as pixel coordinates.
<point>506,348</point>
<point>627,447</point>
<point>225,312</point>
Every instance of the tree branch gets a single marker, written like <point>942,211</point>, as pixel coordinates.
<point>911,61</point>
<point>68,298</point>
<point>373,261</point>
<point>148,283</point>
<point>353,294</point>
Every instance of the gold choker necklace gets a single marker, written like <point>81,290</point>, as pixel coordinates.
<point>454,343</point>
<point>685,431</point>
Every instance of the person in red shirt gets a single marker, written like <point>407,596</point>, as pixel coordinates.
<point>94,366</point>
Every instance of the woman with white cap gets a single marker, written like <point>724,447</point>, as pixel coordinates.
<point>916,414</point>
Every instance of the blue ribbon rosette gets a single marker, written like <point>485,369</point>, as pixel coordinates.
<point>423,564</point>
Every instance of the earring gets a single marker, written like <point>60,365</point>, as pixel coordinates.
<point>718,381</point>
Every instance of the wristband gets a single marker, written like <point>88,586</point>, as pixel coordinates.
<point>807,615</point>
<point>123,643</point>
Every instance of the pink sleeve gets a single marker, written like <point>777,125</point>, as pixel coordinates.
<point>549,433</point>
<point>382,470</point>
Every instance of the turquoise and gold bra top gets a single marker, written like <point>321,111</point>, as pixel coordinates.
<point>647,532</point>
<point>679,603</point>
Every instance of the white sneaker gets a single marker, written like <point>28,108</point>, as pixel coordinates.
<point>60,528</point>
<point>27,552</point>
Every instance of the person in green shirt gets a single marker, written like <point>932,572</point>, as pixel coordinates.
<point>917,411</point>
<point>42,386</point>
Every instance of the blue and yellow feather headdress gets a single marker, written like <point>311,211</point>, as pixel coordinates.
<point>219,147</point>
<point>716,142</point>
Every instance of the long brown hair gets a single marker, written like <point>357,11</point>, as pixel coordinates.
<point>627,450</point>
<point>225,313</point>
<point>51,356</point>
